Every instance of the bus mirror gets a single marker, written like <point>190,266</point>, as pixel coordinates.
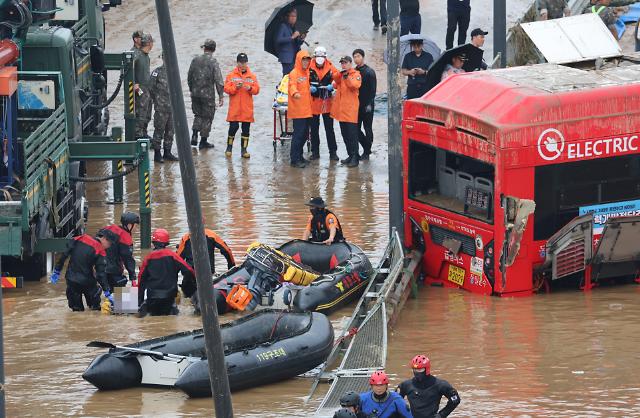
<point>517,213</point>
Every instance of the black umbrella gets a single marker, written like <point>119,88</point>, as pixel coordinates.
<point>304,22</point>
<point>474,61</point>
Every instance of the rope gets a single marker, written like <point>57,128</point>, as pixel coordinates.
<point>273,330</point>
<point>352,332</point>
<point>126,172</point>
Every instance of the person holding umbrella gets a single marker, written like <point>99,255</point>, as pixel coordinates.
<point>288,41</point>
<point>415,66</point>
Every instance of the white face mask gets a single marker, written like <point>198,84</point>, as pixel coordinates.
<point>320,60</point>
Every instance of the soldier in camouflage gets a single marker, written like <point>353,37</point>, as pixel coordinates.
<point>553,9</point>
<point>204,80</point>
<point>142,75</point>
<point>606,9</point>
<point>162,117</point>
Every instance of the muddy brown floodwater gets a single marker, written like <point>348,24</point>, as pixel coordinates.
<point>561,355</point>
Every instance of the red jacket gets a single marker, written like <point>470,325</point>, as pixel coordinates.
<point>299,107</point>
<point>241,98</point>
<point>345,103</point>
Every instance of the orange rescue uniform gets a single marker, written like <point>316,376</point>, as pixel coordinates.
<point>321,106</point>
<point>345,102</point>
<point>241,98</point>
<point>300,107</point>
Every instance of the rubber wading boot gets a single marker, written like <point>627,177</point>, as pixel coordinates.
<point>204,144</point>
<point>194,139</point>
<point>333,156</point>
<point>157,156</point>
<point>168,156</point>
<point>353,162</point>
<point>229,150</point>
<point>245,145</point>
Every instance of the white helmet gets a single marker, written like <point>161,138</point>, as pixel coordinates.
<point>320,51</point>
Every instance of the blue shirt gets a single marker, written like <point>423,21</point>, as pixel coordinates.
<point>286,47</point>
<point>393,404</point>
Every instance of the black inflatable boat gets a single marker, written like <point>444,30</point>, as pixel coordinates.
<point>260,348</point>
<point>344,271</point>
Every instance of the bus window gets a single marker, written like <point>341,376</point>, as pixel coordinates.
<point>561,189</point>
<point>451,181</point>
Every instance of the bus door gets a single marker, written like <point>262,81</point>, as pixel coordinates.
<point>516,215</point>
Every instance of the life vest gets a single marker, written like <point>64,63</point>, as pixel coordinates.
<point>319,230</point>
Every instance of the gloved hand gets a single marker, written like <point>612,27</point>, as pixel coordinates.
<point>134,283</point>
<point>368,109</point>
<point>330,88</point>
<point>109,296</point>
<point>314,89</point>
<point>55,276</point>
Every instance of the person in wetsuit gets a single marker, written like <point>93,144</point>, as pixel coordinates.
<point>379,402</point>
<point>120,255</point>
<point>351,402</point>
<point>425,391</point>
<point>323,225</point>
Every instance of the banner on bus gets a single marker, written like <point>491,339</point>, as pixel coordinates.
<point>610,210</point>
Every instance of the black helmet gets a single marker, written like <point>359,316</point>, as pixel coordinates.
<point>129,218</point>
<point>108,234</point>
<point>316,202</point>
<point>345,413</point>
<point>350,399</point>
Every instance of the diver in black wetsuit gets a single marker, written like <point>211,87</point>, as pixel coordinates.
<point>425,391</point>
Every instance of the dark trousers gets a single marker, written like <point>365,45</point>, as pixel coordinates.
<point>234,126</point>
<point>91,295</point>
<point>415,91</point>
<point>328,129</point>
<point>286,68</point>
<point>461,21</point>
<point>379,18</point>
<point>300,136</point>
<point>410,24</point>
<point>365,120</point>
<point>349,133</point>
<point>116,280</point>
<point>157,307</point>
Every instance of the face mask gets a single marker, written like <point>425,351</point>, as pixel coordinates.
<point>320,60</point>
<point>420,376</point>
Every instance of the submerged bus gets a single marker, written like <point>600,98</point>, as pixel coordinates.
<point>520,178</point>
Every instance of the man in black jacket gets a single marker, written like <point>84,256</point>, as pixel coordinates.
<point>158,278</point>
<point>120,255</point>
<point>367,95</point>
<point>458,15</point>
<point>410,19</point>
<point>87,261</point>
<point>424,391</point>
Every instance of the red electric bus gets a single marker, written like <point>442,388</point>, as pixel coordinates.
<point>524,177</point>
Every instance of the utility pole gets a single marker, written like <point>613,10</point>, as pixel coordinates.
<point>500,30</point>
<point>2,392</point>
<point>394,109</point>
<point>213,339</point>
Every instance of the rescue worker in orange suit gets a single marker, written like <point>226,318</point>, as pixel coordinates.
<point>158,278</point>
<point>345,106</point>
<point>299,107</point>
<point>241,85</point>
<point>120,256</point>
<point>87,262</point>
<point>321,75</point>
<point>323,225</point>
<point>424,391</point>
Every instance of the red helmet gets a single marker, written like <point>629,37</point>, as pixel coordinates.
<point>421,362</point>
<point>379,378</point>
<point>160,235</point>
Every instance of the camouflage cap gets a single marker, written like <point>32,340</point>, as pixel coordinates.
<point>209,44</point>
<point>146,39</point>
<point>137,34</point>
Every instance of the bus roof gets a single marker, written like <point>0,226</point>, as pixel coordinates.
<point>532,95</point>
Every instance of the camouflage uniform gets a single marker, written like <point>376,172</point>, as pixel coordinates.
<point>555,8</point>
<point>162,117</point>
<point>204,79</point>
<point>608,13</point>
<point>143,96</point>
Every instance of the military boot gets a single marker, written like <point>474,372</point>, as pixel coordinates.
<point>168,156</point>
<point>194,139</point>
<point>204,144</point>
<point>157,155</point>
<point>229,150</point>
<point>245,145</point>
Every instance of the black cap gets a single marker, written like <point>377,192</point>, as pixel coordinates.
<point>416,42</point>
<point>111,236</point>
<point>478,31</point>
<point>462,56</point>
<point>242,57</point>
<point>316,202</point>
<point>346,58</point>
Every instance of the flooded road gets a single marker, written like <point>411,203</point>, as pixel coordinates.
<point>566,354</point>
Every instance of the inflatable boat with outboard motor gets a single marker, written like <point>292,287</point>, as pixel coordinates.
<point>307,276</point>
<point>260,348</point>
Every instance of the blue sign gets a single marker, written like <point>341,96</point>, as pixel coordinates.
<point>610,210</point>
